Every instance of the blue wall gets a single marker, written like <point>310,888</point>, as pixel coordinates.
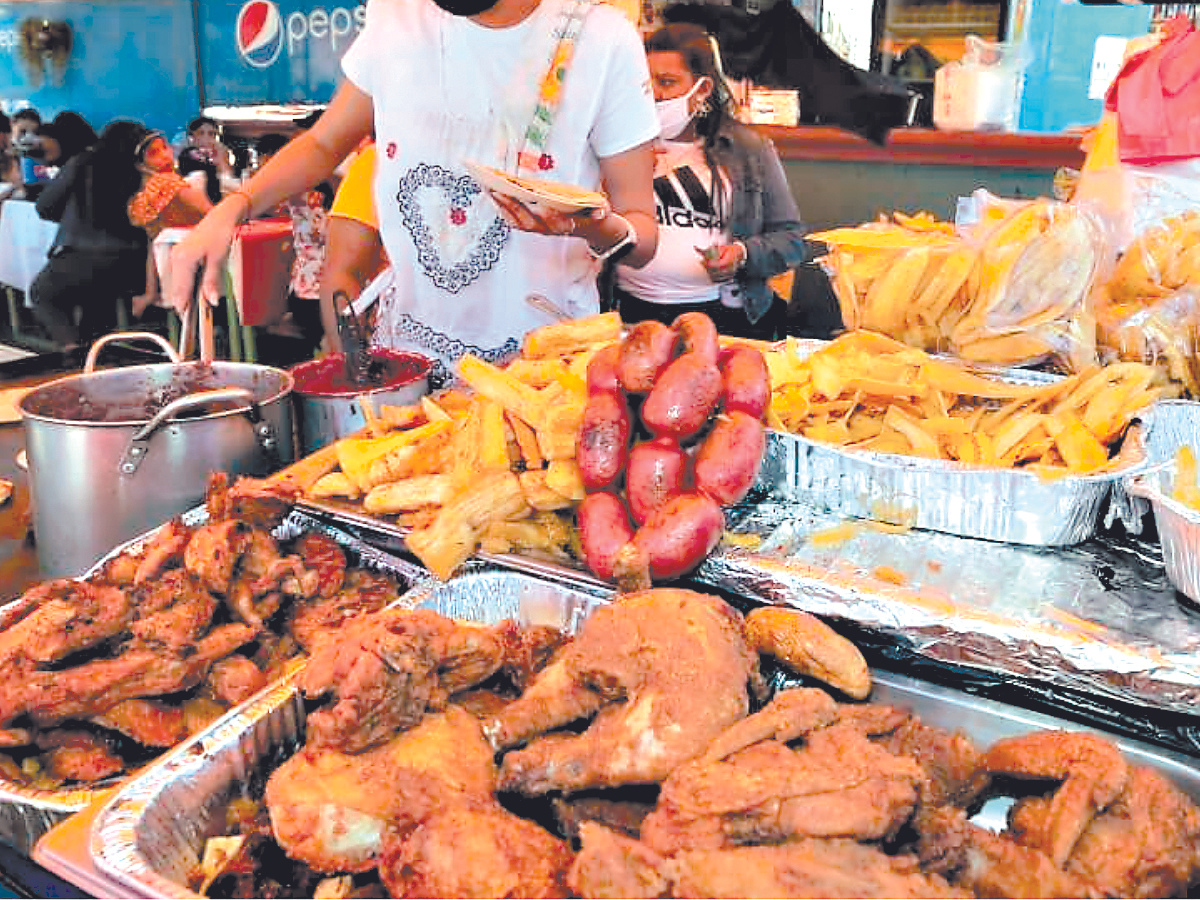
<point>129,59</point>
<point>1061,39</point>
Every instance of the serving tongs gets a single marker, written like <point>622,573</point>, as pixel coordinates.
<point>355,337</point>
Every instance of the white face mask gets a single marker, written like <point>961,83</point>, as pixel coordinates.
<point>675,114</point>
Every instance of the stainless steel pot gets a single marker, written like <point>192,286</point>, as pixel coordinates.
<point>115,453</point>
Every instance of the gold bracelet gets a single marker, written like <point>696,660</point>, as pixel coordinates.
<point>242,192</point>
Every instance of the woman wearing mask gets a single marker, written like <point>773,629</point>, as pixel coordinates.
<point>98,255</point>
<point>726,217</point>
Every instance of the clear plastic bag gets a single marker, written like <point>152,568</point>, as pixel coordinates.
<point>1164,333</point>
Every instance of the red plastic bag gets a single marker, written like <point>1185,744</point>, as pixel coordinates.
<point>1156,97</point>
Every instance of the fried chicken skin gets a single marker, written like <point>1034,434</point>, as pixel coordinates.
<point>467,852</point>
<point>332,810</point>
<point>664,670</point>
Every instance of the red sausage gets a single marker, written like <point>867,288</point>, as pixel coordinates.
<point>747,382</point>
<point>656,472</point>
<point>603,530</point>
<point>686,393</point>
<point>646,351</point>
<point>602,371</point>
<point>729,459</point>
<point>603,444</point>
<point>697,334</point>
<point>679,536</point>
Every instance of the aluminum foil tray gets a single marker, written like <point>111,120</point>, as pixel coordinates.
<point>150,835</point>
<point>27,813</point>
<point>1178,528</point>
<point>1006,505</point>
<point>1099,620</point>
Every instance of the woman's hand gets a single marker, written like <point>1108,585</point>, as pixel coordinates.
<point>543,220</point>
<point>723,261</point>
<point>204,251</point>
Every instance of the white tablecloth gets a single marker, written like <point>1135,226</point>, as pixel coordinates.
<point>25,240</point>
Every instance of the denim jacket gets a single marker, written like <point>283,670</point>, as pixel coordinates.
<point>763,214</point>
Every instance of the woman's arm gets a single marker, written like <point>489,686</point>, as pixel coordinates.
<point>780,245</point>
<point>298,166</point>
<point>52,201</point>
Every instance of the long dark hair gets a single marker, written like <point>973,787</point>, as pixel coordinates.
<point>110,172</point>
<point>699,52</point>
<point>73,134</point>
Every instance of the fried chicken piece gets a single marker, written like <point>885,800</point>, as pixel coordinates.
<point>182,611</point>
<point>949,759</point>
<point>325,557</point>
<point>149,722</point>
<point>164,549</point>
<point>1146,844</point>
<point>91,688</point>
<point>1091,770</point>
<point>386,669</point>
<point>60,617</point>
<point>987,864</point>
<point>254,591</point>
<point>234,679</point>
<point>255,501</point>
<point>78,756</point>
<point>466,852</point>
<point>673,667</point>
<point>838,784</point>
<point>213,552</point>
<point>613,865</point>
<point>332,810</point>
<point>361,592</point>
<point>805,868</point>
<point>789,715</point>
<point>535,647</point>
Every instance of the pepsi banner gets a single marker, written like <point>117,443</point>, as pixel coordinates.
<point>264,51</point>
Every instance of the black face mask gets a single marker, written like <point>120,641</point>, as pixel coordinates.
<point>465,7</point>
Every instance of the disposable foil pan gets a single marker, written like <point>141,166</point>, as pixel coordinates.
<point>151,834</point>
<point>26,813</point>
<point>1178,528</point>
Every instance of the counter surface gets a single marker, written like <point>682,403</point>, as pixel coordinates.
<point>926,146</point>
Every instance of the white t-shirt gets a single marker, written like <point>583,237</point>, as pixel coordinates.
<point>445,90</point>
<point>687,219</point>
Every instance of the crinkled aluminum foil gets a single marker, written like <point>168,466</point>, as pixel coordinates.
<point>1100,618</point>
<point>26,813</point>
<point>150,836</point>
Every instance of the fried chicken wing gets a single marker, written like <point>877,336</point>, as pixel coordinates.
<point>331,810</point>
<point>1146,844</point>
<point>175,613</point>
<point>839,784</point>
<point>1091,771</point>
<point>60,617</point>
<point>149,722</point>
<point>361,592</point>
<point>668,669</point>
<point>466,852</point>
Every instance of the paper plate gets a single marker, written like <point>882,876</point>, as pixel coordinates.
<point>566,198</point>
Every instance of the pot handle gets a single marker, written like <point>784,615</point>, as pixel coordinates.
<point>264,432</point>
<point>89,364</point>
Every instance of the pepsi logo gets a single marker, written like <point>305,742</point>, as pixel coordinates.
<point>259,33</point>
